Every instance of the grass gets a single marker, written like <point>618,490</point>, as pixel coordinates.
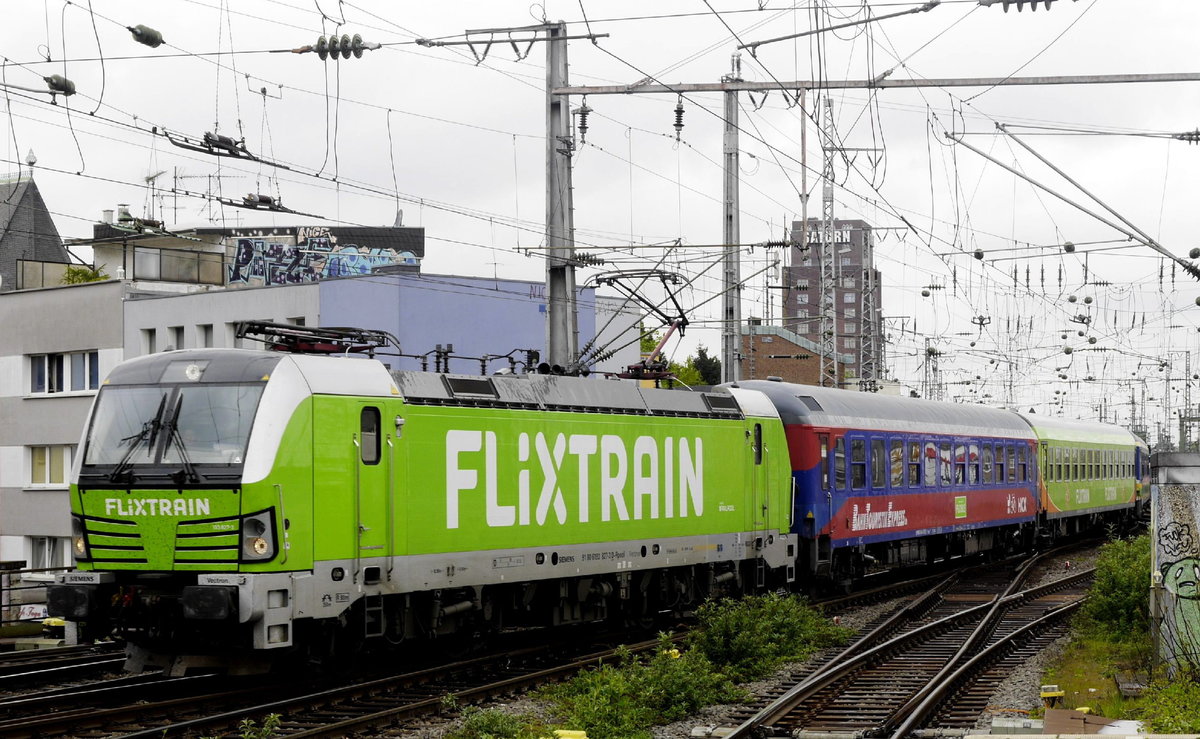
<point>1086,672</point>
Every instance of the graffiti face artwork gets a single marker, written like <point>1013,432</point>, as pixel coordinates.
<point>317,255</point>
<point>1179,567</point>
<point>1182,578</point>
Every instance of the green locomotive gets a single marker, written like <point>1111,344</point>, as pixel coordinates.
<point>232,505</point>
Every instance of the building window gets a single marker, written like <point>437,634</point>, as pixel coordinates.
<point>808,262</point>
<point>850,313</point>
<point>204,335</point>
<point>149,341</point>
<point>847,261</point>
<point>46,552</point>
<point>60,373</point>
<point>850,298</point>
<point>850,342</point>
<point>849,282</point>
<point>802,284</point>
<point>48,466</point>
<point>850,327</point>
<point>802,299</point>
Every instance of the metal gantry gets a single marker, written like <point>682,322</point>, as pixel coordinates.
<point>829,268</point>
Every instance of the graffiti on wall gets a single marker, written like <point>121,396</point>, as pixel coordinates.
<point>316,255</point>
<point>1177,575</point>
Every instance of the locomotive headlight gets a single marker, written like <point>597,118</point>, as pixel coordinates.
<point>258,536</point>
<point>79,547</point>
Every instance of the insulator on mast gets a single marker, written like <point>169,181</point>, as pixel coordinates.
<point>679,118</point>
<point>583,112</point>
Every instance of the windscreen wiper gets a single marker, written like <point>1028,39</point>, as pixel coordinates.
<point>148,434</point>
<point>188,473</point>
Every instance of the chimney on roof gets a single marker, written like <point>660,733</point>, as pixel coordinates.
<point>106,215</point>
<point>123,214</point>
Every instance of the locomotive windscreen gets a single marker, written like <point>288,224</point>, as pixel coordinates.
<point>172,424</point>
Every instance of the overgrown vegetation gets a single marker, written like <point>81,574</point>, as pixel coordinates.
<point>1118,608</point>
<point>489,723</point>
<point>750,637</point>
<point>734,641</point>
<point>621,700</point>
<point>1172,707</point>
<point>1112,636</point>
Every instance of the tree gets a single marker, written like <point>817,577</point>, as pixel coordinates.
<point>708,367</point>
<point>79,274</point>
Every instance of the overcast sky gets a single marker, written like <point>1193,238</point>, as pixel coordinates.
<point>459,147</point>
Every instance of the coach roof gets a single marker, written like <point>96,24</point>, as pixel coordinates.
<point>820,406</point>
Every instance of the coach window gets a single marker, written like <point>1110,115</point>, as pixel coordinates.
<point>839,465</point>
<point>824,440</point>
<point>896,460</point>
<point>879,462</point>
<point>1096,474</point>
<point>1012,464</point>
<point>960,464</point>
<point>946,463</point>
<point>369,439</point>
<point>858,463</point>
<point>999,463</point>
<point>758,449</point>
<point>988,470</point>
<point>930,464</point>
<point>973,464</point>
<point>1022,465</point>
<point>914,463</point>
<point>1059,455</point>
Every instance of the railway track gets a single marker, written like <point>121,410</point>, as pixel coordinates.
<point>935,660</point>
<point>210,705</point>
<point>29,669</point>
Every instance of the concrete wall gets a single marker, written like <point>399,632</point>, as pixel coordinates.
<point>77,318</point>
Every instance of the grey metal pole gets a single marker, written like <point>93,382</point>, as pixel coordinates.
<point>731,328</point>
<point>562,328</point>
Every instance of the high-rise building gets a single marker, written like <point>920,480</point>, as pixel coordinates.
<point>857,295</point>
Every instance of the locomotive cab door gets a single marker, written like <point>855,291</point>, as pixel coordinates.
<point>758,475</point>
<point>372,459</point>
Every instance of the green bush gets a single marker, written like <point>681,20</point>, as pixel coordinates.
<point>1172,707</point>
<point>749,637</point>
<point>492,724</point>
<point>619,701</point>
<point>1119,606</point>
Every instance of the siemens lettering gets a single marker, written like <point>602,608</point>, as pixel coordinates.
<point>156,506</point>
<point>655,479</point>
